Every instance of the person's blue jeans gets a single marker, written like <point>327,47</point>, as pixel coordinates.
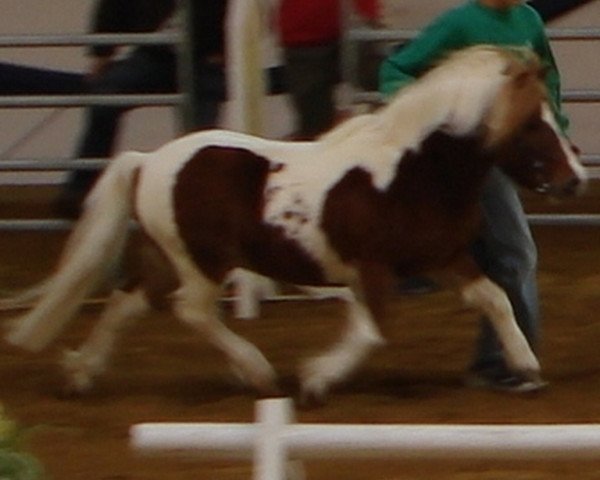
<point>507,254</point>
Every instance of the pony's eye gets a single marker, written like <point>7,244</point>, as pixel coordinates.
<point>533,123</point>
<point>538,165</point>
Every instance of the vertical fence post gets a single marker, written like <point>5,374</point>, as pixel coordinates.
<point>186,71</point>
<point>270,452</point>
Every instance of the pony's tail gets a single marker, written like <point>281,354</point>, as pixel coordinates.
<point>95,243</point>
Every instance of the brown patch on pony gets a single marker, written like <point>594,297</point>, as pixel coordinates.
<point>538,140</point>
<point>149,268</point>
<point>219,198</point>
<point>424,219</point>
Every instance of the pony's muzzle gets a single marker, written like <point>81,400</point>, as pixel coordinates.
<point>573,186</point>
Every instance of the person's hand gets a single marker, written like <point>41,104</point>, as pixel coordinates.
<point>98,65</point>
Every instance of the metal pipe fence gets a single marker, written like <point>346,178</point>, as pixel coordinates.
<point>351,37</point>
<point>88,39</point>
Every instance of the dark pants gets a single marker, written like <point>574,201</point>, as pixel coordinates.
<point>144,71</point>
<point>311,75</point>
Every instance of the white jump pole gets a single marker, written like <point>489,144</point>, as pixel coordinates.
<point>274,440</point>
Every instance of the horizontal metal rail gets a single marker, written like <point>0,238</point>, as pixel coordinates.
<point>87,39</point>
<point>398,35</point>
<point>117,100</point>
<point>549,219</point>
<point>168,99</point>
<point>592,161</point>
<point>568,96</point>
<point>42,224</point>
<point>173,38</point>
<point>565,219</point>
<point>52,164</point>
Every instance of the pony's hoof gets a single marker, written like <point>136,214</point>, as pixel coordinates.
<point>79,378</point>
<point>312,398</point>
<point>264,383</point>
<point>534,381</point>
<point>313,391</point>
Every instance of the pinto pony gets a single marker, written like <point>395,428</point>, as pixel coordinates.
<point>392,191</point>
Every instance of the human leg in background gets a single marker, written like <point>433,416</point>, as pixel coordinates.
<point>506,252</point>
<point>142,72</point>
<point>312,75</point>
<point>210,93</point>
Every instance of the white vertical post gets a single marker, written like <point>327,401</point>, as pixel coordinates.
<point>270,453</point>
<point>246,29</point>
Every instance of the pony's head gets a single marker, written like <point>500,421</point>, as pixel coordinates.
<point>490,91</point>
<point>519,97</point>
<point>540,158</point>
<point>486,91</point>
<point>505,101</point>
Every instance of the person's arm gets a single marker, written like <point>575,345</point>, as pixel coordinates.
<point>552,80</point>
<point>413,59</point>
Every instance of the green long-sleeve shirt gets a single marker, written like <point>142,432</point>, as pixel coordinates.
<point>468,24</point>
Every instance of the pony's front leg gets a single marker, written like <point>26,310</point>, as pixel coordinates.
<point>83,365</point>
<point>361,336</point>
<point>493,302</point>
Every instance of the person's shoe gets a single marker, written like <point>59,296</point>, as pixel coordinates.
<point>504,382</point>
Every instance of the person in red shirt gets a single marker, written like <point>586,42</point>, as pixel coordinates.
<point>310,32</point>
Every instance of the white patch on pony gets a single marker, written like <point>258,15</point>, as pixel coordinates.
<point>572,158</point>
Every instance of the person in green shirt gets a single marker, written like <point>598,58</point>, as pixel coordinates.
<point>505,250</point>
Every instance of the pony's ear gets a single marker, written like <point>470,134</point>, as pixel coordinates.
<point>523,62</point>
<point>543,71</point>
<point>523,77</point>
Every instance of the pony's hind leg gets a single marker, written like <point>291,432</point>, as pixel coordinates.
<point>196,304</point>
<point>361,336</point>
<point>91,359</point>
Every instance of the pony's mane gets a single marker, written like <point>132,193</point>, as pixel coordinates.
<point>455,94</point>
